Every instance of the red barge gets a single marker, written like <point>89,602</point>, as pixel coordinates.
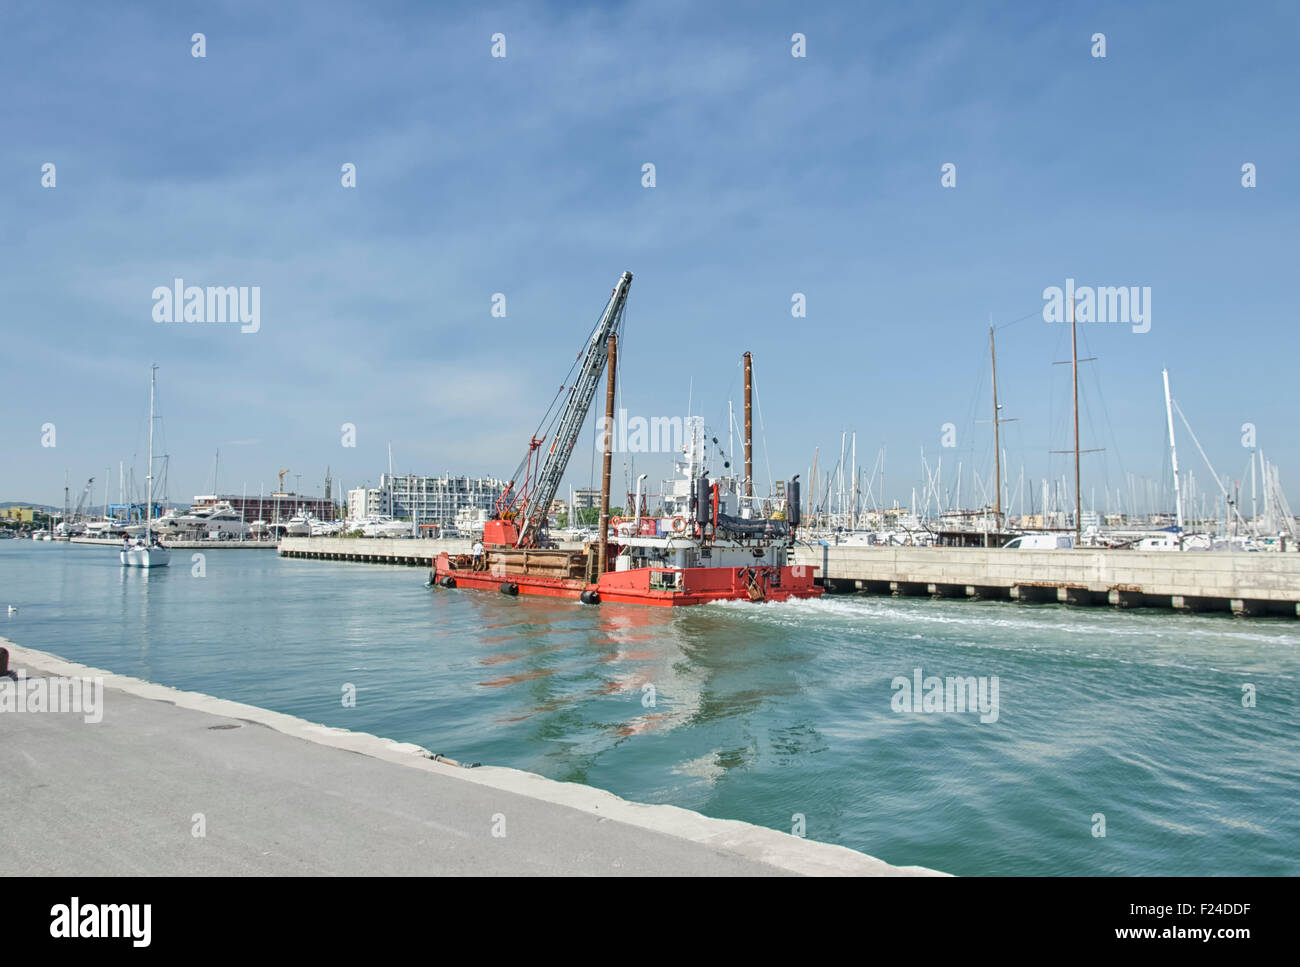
<point>712,540</point>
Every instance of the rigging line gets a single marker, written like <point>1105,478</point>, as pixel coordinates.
<point>572,367</point>
<point>1013,322</point>
<point>731,416</point>
<point>591,473</point>
<point>1110,426</point>
<point>972,420</point>
<point>620,398</point>
<point>762,428</point>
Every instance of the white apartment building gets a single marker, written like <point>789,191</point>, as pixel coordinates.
<point>365,502</point>
<point>431,500</point>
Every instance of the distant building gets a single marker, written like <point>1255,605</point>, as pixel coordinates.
<point>432,500</point>
<point>24,515</point>
<point>272,507</point>
<point>364,502</point>
<point>586,499</point>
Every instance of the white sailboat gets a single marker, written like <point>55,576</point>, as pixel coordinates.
<point>146,551</point>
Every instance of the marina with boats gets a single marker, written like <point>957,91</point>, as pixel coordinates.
<point>825,579</point>
<point>706,536</point>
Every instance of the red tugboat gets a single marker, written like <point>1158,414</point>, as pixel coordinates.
<point>713,540</point>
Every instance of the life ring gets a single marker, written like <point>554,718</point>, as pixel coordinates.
<point>615,521</point>
<point>679,525</point>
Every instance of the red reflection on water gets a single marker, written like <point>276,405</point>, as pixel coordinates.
<point>518,677</point>
<point>639,725</point>
<point>515,656</point>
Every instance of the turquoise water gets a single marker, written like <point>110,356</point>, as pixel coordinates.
<point>760,712</point>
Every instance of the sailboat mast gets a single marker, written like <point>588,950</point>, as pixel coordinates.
<point>1173,456</point>
<point>812,487</point>
<point>840,476</point>
<point>1254,512</point>
<point>148,497</point>
<point>731,436</point>
<point>1074,371</point>
<point>997,440</point>
<point>853,515</point>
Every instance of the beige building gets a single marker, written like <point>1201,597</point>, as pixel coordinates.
<point>584,499</point>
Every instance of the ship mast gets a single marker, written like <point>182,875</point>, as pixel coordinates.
<point>1074,375</point>
<point>148,496</point>
<point>997,440</point>
<point>749,426</point>
<point>1173,456</point>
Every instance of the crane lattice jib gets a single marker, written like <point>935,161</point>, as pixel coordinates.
<point>575,415</point>
<point>81,502</point>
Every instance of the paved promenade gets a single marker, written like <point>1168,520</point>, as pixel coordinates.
<point>277,795</point>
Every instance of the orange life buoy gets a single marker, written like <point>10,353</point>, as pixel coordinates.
<point>679,524</point>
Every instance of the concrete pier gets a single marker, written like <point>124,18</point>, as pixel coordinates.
<point>413,552</point>
<point>181,783</point>
<point>1245,584</point>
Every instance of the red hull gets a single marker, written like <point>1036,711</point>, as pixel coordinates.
<point>697,585</point>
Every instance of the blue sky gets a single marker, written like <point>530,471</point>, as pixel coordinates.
<point>522,175</point>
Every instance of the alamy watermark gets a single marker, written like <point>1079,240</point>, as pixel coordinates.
<point>954,694</point>
<point>215,303</point>
<point>82,696</point>
<point>637,434</point>
<point>114,921</point>
<point>1128,305</point>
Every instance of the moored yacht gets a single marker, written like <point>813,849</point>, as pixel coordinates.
<point>146,551</point>
<point>299,525</point>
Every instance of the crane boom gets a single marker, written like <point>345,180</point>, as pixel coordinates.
<point>574,416</point>
<point>81,502</point>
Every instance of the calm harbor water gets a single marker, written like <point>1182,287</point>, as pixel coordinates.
<point>758,714</point>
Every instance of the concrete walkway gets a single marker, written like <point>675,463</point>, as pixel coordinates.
<point>281,796</point>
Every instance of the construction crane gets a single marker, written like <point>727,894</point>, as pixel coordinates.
<point>537,491</point>
<point>282,476</point>
<point>81,501</point>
